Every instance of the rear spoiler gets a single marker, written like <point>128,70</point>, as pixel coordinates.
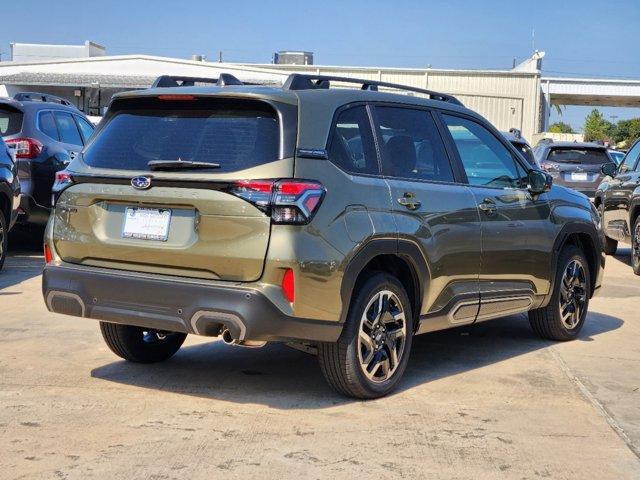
<point>171,81</point>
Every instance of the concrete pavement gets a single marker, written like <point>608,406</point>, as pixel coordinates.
<point>488,401</point>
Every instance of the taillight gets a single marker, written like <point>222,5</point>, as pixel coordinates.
<point>287,201</point>
<point>288,285</point>
<point>550,167</point>
<point>48,257</point>
<point>25,147</point>
<point>63,180</point>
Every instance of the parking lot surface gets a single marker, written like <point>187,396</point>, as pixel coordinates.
<point>487,401</point>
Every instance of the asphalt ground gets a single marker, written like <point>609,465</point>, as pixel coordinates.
<point>486,401</point>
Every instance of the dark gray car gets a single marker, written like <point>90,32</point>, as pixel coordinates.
<point>46,132</point>
<point>574,165</point>
<point>9,195</point>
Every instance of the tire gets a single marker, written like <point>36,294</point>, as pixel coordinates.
<point>548,321</point>
<point>342,362</point>
<point>4,239</point>
<point>610,245</point>
<point>635,247</point>
<point>141,345</point>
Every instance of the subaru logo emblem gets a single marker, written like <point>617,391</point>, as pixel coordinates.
<point>141,183</point>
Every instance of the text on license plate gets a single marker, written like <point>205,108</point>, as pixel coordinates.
<point>146,223</point>
<point>579,176</point>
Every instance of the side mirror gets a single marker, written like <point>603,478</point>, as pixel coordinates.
<point>539,182</point>
<point>609,169</point>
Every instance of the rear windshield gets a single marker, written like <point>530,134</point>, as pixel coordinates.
<point>10,121</point>
<point>587,156</point>
<point>235,135</point>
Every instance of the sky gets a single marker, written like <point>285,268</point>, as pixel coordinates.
<point>580,38</point>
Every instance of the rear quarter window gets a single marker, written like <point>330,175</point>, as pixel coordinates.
<point>10,121</point>
<point>234,135</point>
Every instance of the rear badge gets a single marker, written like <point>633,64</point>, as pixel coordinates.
<point>141,183</point>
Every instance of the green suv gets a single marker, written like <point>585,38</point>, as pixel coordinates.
<point>340,221</point>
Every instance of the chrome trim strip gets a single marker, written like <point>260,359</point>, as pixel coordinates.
<point>218,317</point>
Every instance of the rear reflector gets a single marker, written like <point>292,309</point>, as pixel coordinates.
<point>48,257</point>
<point>288,285</point>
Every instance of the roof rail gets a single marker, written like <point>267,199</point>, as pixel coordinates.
<point>170,81</point>
<point>299,81</point>
<point>41,97</point>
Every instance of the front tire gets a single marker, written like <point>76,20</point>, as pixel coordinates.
<point>141,345</point>
<point>610,245</point>
<point>563,318</point>
<point>371,354</point>
<point>635,247</point>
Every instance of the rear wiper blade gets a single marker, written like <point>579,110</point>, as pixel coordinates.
<point>179,165</point>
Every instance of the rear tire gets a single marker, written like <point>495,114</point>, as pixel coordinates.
<point>610,245</point>
<point>4,237</point>
<point>635,247</point>
<point>141,345</point>
<point>563,318</point>
<point>370,356</point>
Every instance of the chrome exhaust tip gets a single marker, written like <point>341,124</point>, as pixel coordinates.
<point>229,340</point>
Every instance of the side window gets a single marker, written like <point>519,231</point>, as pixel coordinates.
<point>48,125</point>
<point>85,128</point>
<point>352,147</point>
<point>68,129</point>
<point>411,145</point>
<point>485,159</point>
<point>631,159</point>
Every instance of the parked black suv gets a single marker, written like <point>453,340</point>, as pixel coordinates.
<point>574,165</point>
<point>514,136</point>
<point>344,220</point>
<point>618,200</point>
<point>46,133</point>
<point>9,197</point>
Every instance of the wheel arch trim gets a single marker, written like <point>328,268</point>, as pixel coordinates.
<point>404,249</point>
<point>567,230</point>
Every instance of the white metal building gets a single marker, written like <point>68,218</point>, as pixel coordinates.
<point>517,98</point>
<point>508,98</point>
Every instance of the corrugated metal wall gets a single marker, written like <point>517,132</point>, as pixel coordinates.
<point>506,99</point>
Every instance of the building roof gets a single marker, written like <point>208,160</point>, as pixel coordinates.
<point>77,80</point>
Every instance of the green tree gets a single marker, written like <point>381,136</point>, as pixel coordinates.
<point>560,127</point>
<point>596,127</point>
<point>627,131</point>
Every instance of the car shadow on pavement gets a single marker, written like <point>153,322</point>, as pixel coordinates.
<point>283,378</point>
<point>24,259</point>
<point>622,255</point>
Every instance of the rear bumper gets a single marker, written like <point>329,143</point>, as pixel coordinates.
<point>174,304</point>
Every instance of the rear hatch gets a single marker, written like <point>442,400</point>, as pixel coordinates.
<point>168,185</point>
<point>577,166</point>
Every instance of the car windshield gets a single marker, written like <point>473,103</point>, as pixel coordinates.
<point>10,121</point>
<point>584,156</point>
<point>228,136</point>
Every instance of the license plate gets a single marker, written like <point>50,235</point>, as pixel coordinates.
<point>146,223</point>
<point>579,176</point>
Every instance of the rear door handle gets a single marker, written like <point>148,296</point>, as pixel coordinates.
<point>409,201</point>
<point>488,206</point>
